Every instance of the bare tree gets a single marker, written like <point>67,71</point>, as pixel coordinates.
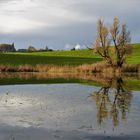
<point>115,36</point>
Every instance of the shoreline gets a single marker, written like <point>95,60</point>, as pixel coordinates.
<point>98,79</point>
<point>100,67</point>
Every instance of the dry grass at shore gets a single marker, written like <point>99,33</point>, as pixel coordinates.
<point>100,67</point>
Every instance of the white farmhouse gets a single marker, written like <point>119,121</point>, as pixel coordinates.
<point>77,47</point>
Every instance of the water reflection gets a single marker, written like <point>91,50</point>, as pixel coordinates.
<point>63,111</point>
<point>112,101</point>
<point>32,78</point>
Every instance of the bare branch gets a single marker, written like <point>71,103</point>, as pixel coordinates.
<point>106,36</point>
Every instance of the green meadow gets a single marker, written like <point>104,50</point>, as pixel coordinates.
<point>76,57</point>
<point>134,58</point>
<point>53,58</point>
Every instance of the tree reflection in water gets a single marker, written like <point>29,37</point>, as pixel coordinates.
<point>113,101</point>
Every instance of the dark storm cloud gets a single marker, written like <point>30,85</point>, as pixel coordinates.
<point>62,22</point>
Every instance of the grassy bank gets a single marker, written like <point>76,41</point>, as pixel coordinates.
<point>75,58</point>
<point>131,82</point>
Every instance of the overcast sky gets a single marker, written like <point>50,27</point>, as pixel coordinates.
<point>61,23</point>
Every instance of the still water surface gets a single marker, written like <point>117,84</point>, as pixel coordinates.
<point>68,112</point>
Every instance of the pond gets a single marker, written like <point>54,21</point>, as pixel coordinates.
<point>68,110</point>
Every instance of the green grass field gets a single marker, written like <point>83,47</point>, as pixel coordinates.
<point>134,58</point>
<point>62,57</point>
<point>54,58</point>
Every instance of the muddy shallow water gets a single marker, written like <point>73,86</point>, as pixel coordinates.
<point>67,112</point>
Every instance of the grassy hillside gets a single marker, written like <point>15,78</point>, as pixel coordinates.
<point>62,57</point>
<point>55,58</point>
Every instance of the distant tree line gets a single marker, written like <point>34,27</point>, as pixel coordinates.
<point>33,49</point>
<point>11,48</point>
